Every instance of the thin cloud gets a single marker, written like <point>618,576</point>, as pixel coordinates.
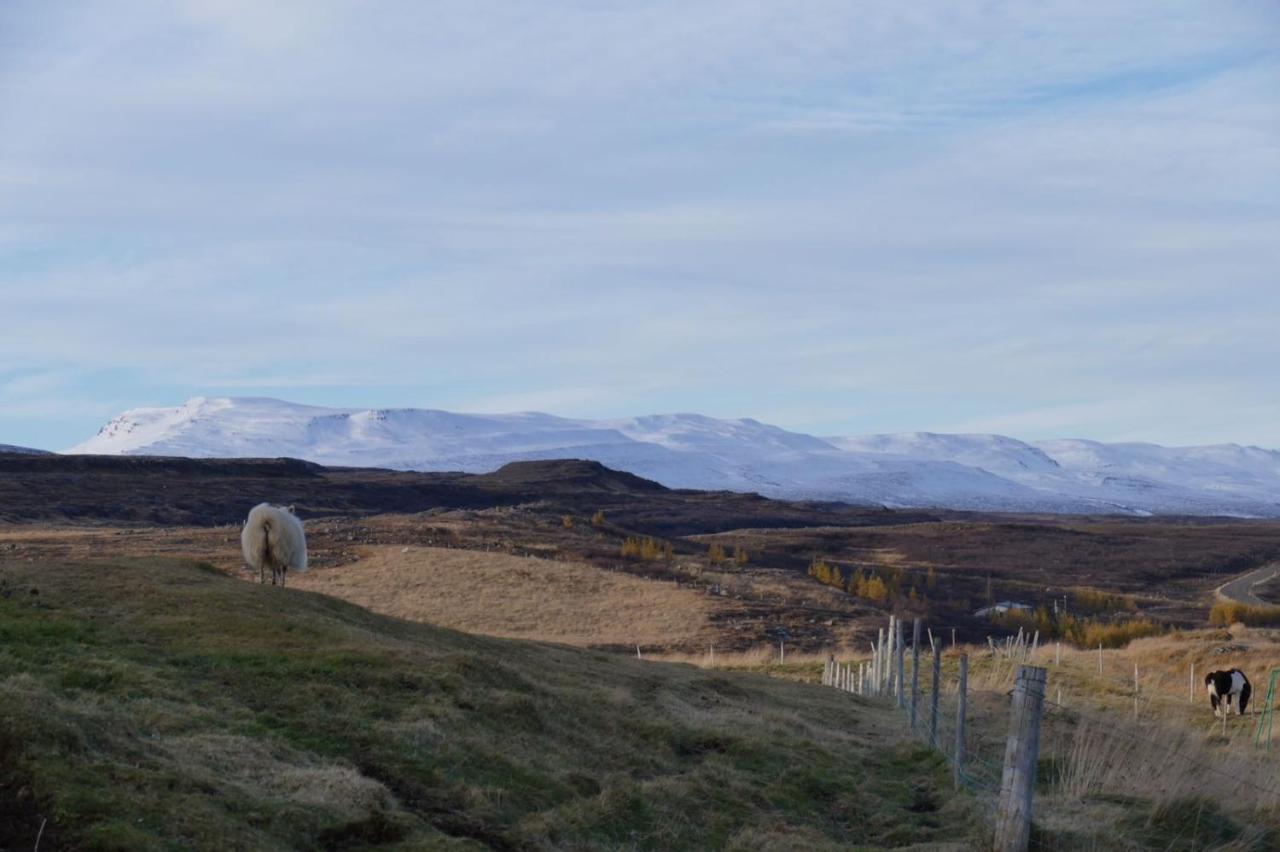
<point>845,217</point>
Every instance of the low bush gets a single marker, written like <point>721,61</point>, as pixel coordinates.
<point>1225,613</point>
<point>1078,631</point>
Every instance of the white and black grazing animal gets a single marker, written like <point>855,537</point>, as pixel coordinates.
<point>1223,685</point>
<point>273,539</point>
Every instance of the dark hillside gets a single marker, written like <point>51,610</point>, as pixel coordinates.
<point>212,492</point>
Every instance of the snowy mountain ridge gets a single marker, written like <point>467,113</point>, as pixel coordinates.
<point>962,471</point>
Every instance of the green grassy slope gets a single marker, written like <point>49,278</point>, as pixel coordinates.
<point>159,704</point>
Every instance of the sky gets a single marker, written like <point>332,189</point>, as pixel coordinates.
<point>1051,219</point>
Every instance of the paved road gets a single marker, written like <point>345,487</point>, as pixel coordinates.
<point>1241,588</point>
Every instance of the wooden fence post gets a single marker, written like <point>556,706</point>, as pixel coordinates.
<point>1022,750</point>
<point>915,670</point>
<point>879,672</point>
<point>962,691</point>
<point>889,660</point>
<point>1058,661</point>
<point>933,698</point>
<point>900,667</point>
<point>1135,691</point>
<point>875,665</point>
<point>1099,658</point>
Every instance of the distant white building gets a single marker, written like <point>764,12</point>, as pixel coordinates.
<point>1002,607</point>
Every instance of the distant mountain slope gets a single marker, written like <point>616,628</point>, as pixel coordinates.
<point>977,472</point>
<point>26,451</point>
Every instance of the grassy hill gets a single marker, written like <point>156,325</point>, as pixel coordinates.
<point>160,704</point>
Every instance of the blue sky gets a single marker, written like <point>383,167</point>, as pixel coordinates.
<point>1058,219</point>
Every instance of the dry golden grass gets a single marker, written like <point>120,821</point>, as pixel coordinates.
<point>518,597</point>
<point>803,666</point>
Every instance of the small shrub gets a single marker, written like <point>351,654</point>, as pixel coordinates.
<point>648,549</point>
<point>1093,601</point>
<point>1226,613</point>
<point>821,571</point>
<point>567,520</point>
<point>597,520</point>
<point>876,590</point>
<point>1078,631</point>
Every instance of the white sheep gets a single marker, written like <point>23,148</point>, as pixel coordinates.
<point>273,538</point>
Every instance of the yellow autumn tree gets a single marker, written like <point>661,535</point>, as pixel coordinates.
<point>876,591</point>
<point>821,571</point>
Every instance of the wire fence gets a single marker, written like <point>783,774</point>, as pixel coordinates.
<point>1092,756</point>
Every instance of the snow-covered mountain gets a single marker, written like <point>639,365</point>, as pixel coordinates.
<point>990,472</point>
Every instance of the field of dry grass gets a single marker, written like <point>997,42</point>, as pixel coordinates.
<point>601,599</point>
<point>518,597</point>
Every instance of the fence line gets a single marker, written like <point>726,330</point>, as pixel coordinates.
<point>974,727</point>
